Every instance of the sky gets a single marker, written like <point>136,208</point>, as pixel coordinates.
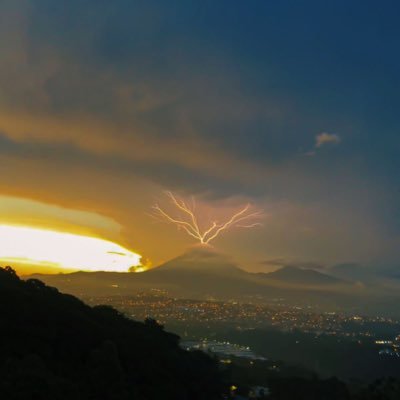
<point>290,106</point>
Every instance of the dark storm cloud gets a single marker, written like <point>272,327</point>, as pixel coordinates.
<point>167,174</point>
<point>217,97</point>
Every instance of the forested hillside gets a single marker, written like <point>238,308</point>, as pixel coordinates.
<point>53,346</point>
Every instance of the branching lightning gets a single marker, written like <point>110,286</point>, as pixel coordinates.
<point>187,219</point>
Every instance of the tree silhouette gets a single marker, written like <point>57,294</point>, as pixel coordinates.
<point>53,346</point>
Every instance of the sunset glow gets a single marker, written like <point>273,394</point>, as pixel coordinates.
<point>33,246</point>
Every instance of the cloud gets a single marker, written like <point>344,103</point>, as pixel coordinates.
<point>59,93</point>
<point>326,138</point>
<point>104,107</point>
<point>323,139</point>
<point>117,94</point>
<point>284,262</point>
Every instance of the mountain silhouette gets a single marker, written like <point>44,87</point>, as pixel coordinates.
<point>205,274</point>
<point>292,274</point>
<point>199,260</point>
<point>53,346</point>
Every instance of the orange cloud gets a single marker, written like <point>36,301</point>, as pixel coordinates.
<point>101,137</point>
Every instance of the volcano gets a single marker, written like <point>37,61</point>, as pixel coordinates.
<point>204,274</point>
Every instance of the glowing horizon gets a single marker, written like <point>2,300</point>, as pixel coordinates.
<point>63,250</point>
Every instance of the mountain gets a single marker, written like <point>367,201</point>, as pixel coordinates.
<point>195,274</point>
<point>198,273</point>
<point>295,275</point>
<point>53,346</point>
<point>391,272</point>
<point>387,277</point>
<point>204,274</point>
<point>201,261</point>
<point>351,271</point>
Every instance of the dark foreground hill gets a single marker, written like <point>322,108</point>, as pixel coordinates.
<point>53,346</point>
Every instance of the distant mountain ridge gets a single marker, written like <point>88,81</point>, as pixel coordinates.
<point>195,273</point>
<point>306,276</point>
<point>204,274</point>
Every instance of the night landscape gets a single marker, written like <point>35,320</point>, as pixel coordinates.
<point>199,200</point>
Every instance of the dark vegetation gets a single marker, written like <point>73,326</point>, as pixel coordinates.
<point>287,382</point>
<point>53,346</point>
<point>326,355</point>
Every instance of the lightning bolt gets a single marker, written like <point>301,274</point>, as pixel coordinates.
<point>187,219</point>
